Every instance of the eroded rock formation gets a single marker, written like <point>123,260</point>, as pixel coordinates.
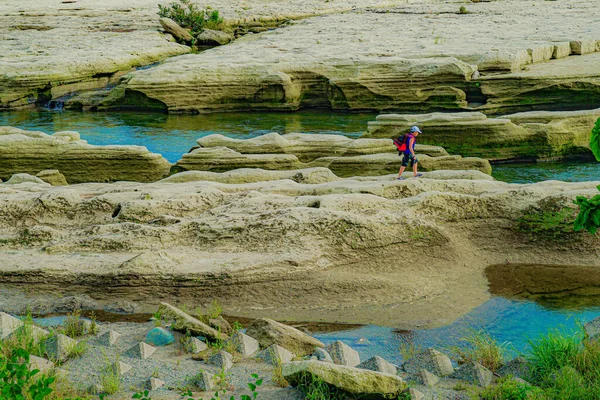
<point>32,152</point>
<point>534,134</point>
<point>351,157</point>
<point>335,251</point>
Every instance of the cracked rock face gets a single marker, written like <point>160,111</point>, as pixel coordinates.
<point>325,248</point>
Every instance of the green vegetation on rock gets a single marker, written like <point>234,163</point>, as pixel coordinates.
<point>189,15</point>
<point>509,388</point>
<point>18,380</point>
<point>589,213</point>
<point>547,224</point>
<point>595,140</point>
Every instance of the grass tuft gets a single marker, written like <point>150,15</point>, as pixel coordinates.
<point>479,346</point>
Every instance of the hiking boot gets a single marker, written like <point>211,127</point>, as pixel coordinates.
<point>401,178</point>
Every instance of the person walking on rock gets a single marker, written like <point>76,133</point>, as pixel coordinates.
<point>408,155</point>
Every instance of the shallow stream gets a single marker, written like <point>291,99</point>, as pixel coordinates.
<point>174,135</point>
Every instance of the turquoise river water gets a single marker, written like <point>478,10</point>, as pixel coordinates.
<point>174,135</point>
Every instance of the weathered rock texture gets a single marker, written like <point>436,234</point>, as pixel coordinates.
<point>353,157</point>
<point>535,134</point>
<point>269,332</point>
<point>349,55</point>
<point>359,382</point>
<point>31,152</point>
<point>53,50</point>
<point>324,248</point>
<point>368,59</point>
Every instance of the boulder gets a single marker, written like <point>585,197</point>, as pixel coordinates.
<point>108,338</point>
<point>195,345</point>
<point>211,37</point>
<point>244,344</point>
<point>220,324</point>
<point>30,152</point>
<point>141,350</point>
<point>222,359</point>
<point>174,29</point>
<point>378,364</point>
<point>204,381</point>
<point>518,367</point>
<point>159,336</point>
<point>59,347</point>
<point>413,394</point>
<point>155,383</point>
<point>322,355</point>
<point>475,374</point>
<point>358,382</point>
<point>53,177</point>
<point>592,329</point>
<point>276,355</point>
<point>269,332</point>
<point>24,178</point>
<point>188,324</point>
<point>40,364</point>
<point>426,378</point>
<point>8,324</point>
<point>121,368</point>
<point>431,360</point>
<point>343,354</point>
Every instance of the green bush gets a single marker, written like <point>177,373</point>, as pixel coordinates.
<point>589,213</point>
<point>552,352</point>
<point>17,381</point>
<point>509,388</point>
<point>595,140</point>
<point>190,15</point>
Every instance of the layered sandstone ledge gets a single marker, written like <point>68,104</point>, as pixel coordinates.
<point>54,50</point>
<point>344,55</point>
<point>417,57</point>
<point>535,134</point>
<point>31,152</point>
<point>371,250</point>
<point>344,156</point>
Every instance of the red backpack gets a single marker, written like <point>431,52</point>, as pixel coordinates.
<point>401,143</point>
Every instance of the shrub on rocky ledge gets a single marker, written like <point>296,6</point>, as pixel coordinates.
<point>595,140</point>
<point>189,15</point>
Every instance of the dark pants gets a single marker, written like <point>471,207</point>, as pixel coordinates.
<point>408,158</point>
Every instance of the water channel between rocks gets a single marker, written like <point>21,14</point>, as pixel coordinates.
<point>174,135</point>
<point>527,302</point>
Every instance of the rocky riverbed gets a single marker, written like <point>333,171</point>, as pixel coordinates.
<point>367,249</point>
<point>203,356</point>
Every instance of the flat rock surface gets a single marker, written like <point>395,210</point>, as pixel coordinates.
<point>200,238</point>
